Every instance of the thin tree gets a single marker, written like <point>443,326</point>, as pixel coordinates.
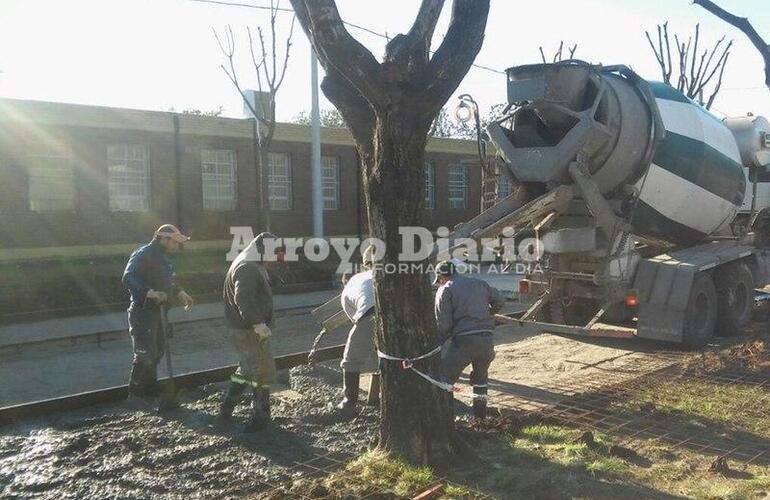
<point>389,107</point>
<point>745,26</point>
<point>270,70</point>
<point>559,54</point>
<point>694,71</point>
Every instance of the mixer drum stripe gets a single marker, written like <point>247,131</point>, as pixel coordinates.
<point>658,227</point>
<point>692,121</point>
<point>683,202</point>
<point>664,91</point>
<point>702,165</point>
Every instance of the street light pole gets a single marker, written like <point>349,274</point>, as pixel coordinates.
<point>315,140</point>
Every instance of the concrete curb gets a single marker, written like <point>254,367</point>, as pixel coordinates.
<point>105,326</point>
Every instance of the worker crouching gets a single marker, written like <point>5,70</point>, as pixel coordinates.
<point>149,277</point>
<point>360,355</point>
<point>248,299</point>
<point>465,309</point>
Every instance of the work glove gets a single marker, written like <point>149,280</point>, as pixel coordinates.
<point>159,297</point>
<point>185,299</point>
<point>262,331</point>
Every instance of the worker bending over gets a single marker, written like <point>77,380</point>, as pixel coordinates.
<point>464,313</point>
<point>359,356</point>
<point>248,300</point>
<point>149,277</point>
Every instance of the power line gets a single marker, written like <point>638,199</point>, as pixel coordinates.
<point>346,23</point>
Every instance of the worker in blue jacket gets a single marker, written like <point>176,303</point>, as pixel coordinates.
<point>149,277</point>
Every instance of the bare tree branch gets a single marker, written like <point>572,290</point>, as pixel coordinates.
<point>745,26</point>
<point>659,55</point>
<point>718,86</point>
<point>414,47</point>
<point>457,51</point>
<point>322,24</point>
<point>696,71</point>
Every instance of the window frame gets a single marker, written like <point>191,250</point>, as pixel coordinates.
<point>218,183</point>
<point>288,184</point>
<point>31,177</point>
<point>113,202</point>
<point>429,186</point>
<point>325,183</point>
<point>453,202</point>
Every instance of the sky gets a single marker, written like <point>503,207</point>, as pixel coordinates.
<point>161,54</point>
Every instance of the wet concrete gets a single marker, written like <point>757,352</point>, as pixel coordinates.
<point>118,451</point>
<point>41,371</point>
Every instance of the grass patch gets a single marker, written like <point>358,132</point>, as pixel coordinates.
<point>704,403</point>
<point>376,472</point>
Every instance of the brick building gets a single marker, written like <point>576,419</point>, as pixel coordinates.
<point>87,176</point>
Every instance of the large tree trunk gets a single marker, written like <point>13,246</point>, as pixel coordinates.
<point>389,108</point>
<point>417,418</point>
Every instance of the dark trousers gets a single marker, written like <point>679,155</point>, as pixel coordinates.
<point>477,350</point>
<point>144,326</point>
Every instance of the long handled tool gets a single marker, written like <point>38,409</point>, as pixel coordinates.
<point>314,347</point>
<point>169,398</point>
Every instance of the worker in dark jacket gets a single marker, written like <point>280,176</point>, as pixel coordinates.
<point>464,312</point>
<point>149,277</point>
<point>248,300</point>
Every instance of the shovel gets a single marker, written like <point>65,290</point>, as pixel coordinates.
<point>169,398</point>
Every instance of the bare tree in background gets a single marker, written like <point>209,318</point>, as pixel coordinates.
<point>693,72</point>
<point>559,54</point>
<point>745,26</point>
<point>270,70</point>
<point>389,107</point>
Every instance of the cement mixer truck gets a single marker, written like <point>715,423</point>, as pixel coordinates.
<point>644,202</point>
<point>647,207</point>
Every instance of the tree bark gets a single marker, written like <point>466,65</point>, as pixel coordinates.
<point>389,108</point>
<point>417,419</point>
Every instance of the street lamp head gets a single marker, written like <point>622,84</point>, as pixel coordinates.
<point>463,112</point>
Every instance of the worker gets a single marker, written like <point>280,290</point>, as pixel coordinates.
<point>149,277</point>
<point>248,299</point>
<point>360,355</point>
<point>464,310</point>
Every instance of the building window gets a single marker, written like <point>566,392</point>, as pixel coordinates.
<point>279,181</point>
<point>128,172</point>
<point>330,182</point>
<point>458,186</point>
<point>504,186</point>
<point>51,184</point>
<point>430,187</point>
<point>219,180</point>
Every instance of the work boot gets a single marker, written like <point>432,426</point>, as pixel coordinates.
<point>260,410</point>
<point>350,383</point>
<point>480,408</point>
<point>141,383</point>
<point>480,401</point>
<point>231,398</point>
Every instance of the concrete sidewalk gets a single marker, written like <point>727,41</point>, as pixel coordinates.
<point>80,326</point>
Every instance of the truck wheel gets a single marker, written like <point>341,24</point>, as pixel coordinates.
<point>735,298</point>
<point>700,317</point>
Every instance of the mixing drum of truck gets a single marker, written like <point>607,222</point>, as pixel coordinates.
<point>650,183</point>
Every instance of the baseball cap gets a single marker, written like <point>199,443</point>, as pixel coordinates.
<point>171,231</point>
<point>443,268</point>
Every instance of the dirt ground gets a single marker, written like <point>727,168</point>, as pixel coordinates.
<point>121,452</point>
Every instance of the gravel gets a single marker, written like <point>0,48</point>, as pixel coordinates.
<point>122,451</point>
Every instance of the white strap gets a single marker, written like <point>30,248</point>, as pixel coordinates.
<point>394,358</point>
<point>409,363</point>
